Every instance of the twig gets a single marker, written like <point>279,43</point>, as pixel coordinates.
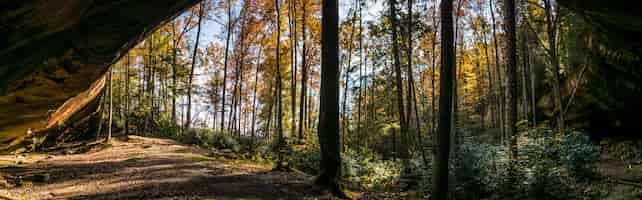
<point>577,84</point>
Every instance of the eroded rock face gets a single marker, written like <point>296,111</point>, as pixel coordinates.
<point>53,50</point>
<point>609,99</point>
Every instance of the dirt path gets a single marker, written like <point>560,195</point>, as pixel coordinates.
<point>146,168</point>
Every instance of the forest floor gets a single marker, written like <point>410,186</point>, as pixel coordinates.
<point>136,167</point>
<point>146,168</point>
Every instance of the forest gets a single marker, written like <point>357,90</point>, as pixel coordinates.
<point>320,99</point>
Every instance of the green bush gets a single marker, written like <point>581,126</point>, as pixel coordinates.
<point>579,155</point>
<point>364,169</point>
<point>540,169</point>
<point>550,166</point>
<point>479,170</point>
<point>423,171</point>
<point>369,170</point>
<point>306,158</point>
<point>167,129</point>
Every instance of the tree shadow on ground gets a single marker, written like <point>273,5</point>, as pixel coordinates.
<point>135,171</point>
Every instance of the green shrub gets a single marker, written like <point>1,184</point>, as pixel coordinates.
<point>361,168</point>
<point>579,155</point>
<point>479,170</point>
<point>167,129</point>
<point>423,171</point>
<point>369,170</point>
<point>210,139</point>
<point>306,159</point>
<point>550,166</point>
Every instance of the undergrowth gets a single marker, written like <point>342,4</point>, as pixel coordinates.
<point>550,166</point>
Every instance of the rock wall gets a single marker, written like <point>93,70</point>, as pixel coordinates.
<point>53,50</point>
<point>609,99</point>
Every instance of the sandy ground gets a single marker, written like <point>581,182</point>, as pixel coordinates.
<point>146,168</point>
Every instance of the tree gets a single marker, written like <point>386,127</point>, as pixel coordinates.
<point>127,95</point>
<point>552,24</point>
<point>176,40</point>
<point>440,169</point>
<point>225,60</point>
<point>361,63</point>
<point>256,83</point>
<point>511,76</point>
<point>493,107</point>
<point>498,73</point>
<point>328,128</point>
<point>279,103</point>
<point>433,120</point>
<point>293,62</point>
<point>345,124</point>
<point>412,101</point>
<point>398,82</point>
<point>111,104</point>
<point>304,73</point>
<point>191,73</point>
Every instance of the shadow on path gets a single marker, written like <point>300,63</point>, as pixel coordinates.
<point>149,168</point>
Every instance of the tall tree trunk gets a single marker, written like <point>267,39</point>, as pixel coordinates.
<point>153,96</point>
<point>191,73</point>
<point>293,38</point>
<point>256,84</point>
<point>361,63</point>
<point>433,112</point>
<point>145,87</point>
<point>141,94</point>
<point>498,72</point>
<point>453,131</point>
<point>268,128</point>
<point>411,81</point>
<point>525,67</point>
<point>398,82</point>
<point>531,71</point>
<point>174,68</point>
<point>492,97</point>
<point>127,95</point>
<point>215,101</point>
<point>151,86</point>
<point>448,57</point>
<point>240,80</point>
<point>176,38</point>
<point>225,61</point>
<point>412,101</point>
<point>279,107</point>
<point>511,76</point>
<point>111,104</point>
<point>304,75</point>
<point>240,100</point>
<point>552,21</point>
<point>328,128</point>
<point>232,116</point>
<point>345,124</point>
<point>344,127</point>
